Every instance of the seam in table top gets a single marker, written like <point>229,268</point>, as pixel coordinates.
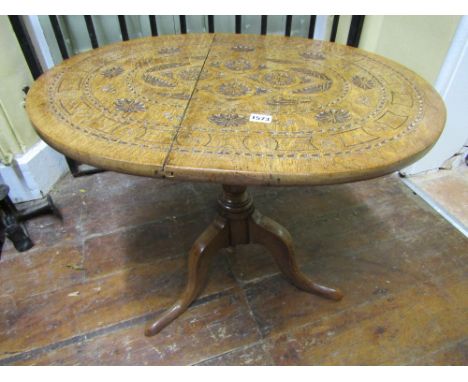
<point>186,107</point>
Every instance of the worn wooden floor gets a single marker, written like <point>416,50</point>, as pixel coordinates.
<point>83,294</point>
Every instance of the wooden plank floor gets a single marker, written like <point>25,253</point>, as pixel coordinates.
<point>84,293</point>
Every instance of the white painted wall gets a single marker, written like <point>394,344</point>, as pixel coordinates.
<point>33,174</point>
<point>452,84</point>
<point>30,167</point>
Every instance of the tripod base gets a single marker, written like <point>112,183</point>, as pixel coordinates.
<point>238,223</point>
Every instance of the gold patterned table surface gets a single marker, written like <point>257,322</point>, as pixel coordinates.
<point>184,106</point>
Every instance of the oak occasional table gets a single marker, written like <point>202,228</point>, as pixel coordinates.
<point>238,110</point>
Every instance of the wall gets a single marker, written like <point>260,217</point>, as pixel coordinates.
<point>28,166</point>
<point>418,42</point>
<point>16,132</point>
<point>423,43</point>
<point>452,84</point>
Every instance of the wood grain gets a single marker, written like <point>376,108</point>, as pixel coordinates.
<point>179,107</point>
<point>395,330</point>
<point>213,327</point>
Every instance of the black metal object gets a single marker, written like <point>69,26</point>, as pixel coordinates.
<point>91,31</point>
<point>59,36</point>
<point>210,24</point>
<point>153,25</point>
<point>238,24</point>
<point>17,234</point>
<point>287,31</point>
<point>123,27</point>
<point>11,219</point>
<point>336,20</point>
<point>183,24</point>
<point>264,24</point>
<point>355,30</point>
<point>26,45</point>
<point>9,224</point>
<point>312,26</point>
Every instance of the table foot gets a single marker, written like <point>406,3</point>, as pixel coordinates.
<point>278,241</point>
<point>214,238</point>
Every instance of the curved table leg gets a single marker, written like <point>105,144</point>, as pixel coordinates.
<point>278,241</point>
<point>214,238</point>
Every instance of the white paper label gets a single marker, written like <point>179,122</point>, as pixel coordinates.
<point>262,118</point>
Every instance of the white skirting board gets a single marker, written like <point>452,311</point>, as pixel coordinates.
<point>32,174</point>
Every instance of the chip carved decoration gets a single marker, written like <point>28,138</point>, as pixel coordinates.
<point>333,116</point>
<point>237,65</point>
<point>228,120</point>
<point>233,89</point>
<point>313,55</point>
<point>129,105</point>
<point>324,101</point>
<point>112,72</point>
<point>363,82</point>
<point>243,48</point>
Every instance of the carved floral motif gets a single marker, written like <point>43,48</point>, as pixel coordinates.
<point>129,105</point>
<point>233,89</point>
<point>190,74</point>
<point>238,65</point>
<point>156,81</point>
<point>243,48</point>
<point>363,82</point>
<point>112,72</point>
<point>333,116</point>
<point>228,120</point>
<point>323,85</point>
<point>313,55</point>
<point>279,78</point>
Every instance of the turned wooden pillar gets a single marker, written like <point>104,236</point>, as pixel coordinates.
<point>236,205</point>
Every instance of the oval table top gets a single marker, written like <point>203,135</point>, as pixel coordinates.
<point>237,109</point>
